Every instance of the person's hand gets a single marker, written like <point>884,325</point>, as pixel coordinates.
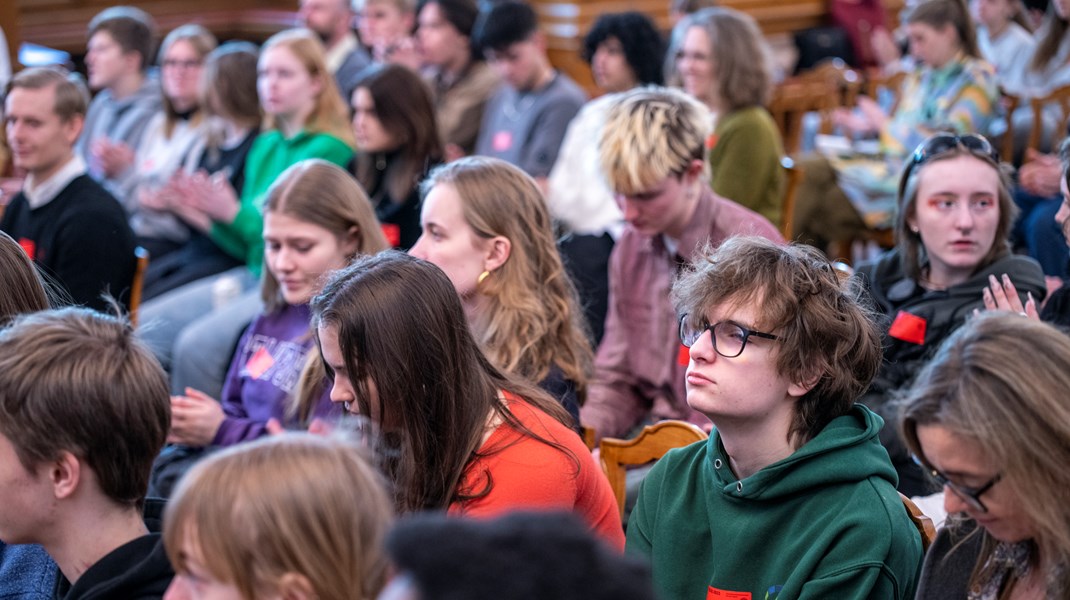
<point>113,158</point>
<point>852,123</point>
<point>1002,295</point>
<point>208,194</point>
<point>9,187</point>
<point>157,199</point>
<point>1041,174</point>
<point>195,419</point>
<point>873,113</point>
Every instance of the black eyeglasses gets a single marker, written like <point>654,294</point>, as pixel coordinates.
<point>729,339</point>
<point>945,142</point>
<point>969,495</point>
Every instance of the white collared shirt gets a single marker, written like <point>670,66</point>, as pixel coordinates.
<point>337,55</point>
<point>40,194</point>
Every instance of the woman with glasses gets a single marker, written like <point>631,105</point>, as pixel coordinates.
<point>988,419</point>
<point>792,496</point>
<point>458,434</point>
<point>954,215</point>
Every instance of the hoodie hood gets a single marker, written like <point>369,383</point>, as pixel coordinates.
<point>846,451</point>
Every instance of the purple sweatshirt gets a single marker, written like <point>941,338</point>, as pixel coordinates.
<point>264,374</point>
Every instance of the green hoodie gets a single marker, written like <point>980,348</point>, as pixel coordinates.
<point>824,523</point>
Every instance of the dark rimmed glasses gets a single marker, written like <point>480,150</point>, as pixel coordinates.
<point>945,142</point>
<point>729,339</point>
<point>969,495</point>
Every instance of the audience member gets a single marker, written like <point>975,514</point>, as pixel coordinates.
<point>166,142</point>
<point>524,122</point>
<point>386,27</point>
<point>624,51</point>
<point>316,220</point>
<point>678,9</point>
<point>122,40</point>
<point>294,516</point>
<point>653,153</point>
<point>461,82</point>
<point>398,142</point>
<point>509,558</point>
<point>486,225</point>
<point>232,109</point>
<point>332,22</point>
<point>75,472</point>
<point>1038,198</point>
<point>790,347</point>
<point>24,291</point>
<point>69,225</point>
<point>987,420</point>
<point>458,434</point>
<point>1040,73</point>
<point>1003,36</point>
<point>718,55</point>
<point>951,89</point>
<point>305,118</point>
<point>27,571</point>
<point>952,224</point>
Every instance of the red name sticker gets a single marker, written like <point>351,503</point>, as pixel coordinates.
<point>909,328</point>
<point>716,594</point>
<point>502,141</point>
<point>683,355</point>
<point>29,247</point>
<point>392,233</point>
<point>259,363</point>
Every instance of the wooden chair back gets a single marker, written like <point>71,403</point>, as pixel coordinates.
<point>651,444</point>
<point>1009,103</point>
<point>793,176</point>
<point>791,101</point>
<point>141,256</point>
<point>589,436</point>
<point>1060,97</point>
<point>923,523</point>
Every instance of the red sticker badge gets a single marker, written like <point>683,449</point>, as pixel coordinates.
<point>909,328</point>
<point>29,247</point>
<point>502,141</point>
<point>259,363</point>
<point>716,594</point>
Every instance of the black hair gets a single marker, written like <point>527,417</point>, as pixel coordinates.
<point>461,15</point>
<point>643,46</point>
<point>504,24</point>
<point>517,557</point>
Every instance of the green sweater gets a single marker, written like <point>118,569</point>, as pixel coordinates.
<point>823,523</point>
<point>745,161</point>
<point>270,155</point>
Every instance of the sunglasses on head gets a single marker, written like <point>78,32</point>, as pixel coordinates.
<point>943,143</point>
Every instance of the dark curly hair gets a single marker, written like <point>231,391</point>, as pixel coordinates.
<point>643,45</point>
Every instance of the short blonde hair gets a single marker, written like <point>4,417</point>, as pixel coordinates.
<point>295,504</point>
<point>651,133</point>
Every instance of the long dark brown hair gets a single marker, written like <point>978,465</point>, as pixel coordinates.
<point>404,106</point>
<point>401,329</point>
<point>23,289</point>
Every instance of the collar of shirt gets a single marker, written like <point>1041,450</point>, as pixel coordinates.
<point>337,54</point>
<point>41,193</point>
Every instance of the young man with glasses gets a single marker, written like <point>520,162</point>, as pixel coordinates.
<point>792,496</point>
<point>652,151</point>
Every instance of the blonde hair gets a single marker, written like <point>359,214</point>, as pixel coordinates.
<point>331,113</point>
<point>533,322</point>
<point>651,133</point>
<point>1001,380</point>
<point>295,504</point>
<point>321,193</point>
<point>744,73</point>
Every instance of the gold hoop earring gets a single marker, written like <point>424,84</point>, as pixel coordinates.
<point>482,276</point>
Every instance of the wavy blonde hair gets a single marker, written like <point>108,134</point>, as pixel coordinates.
<point>291,505</point>
<point>533,322</point>
<point>331,113</point>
